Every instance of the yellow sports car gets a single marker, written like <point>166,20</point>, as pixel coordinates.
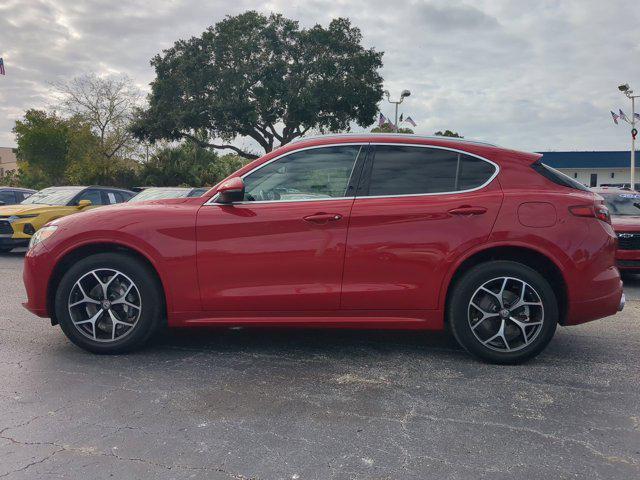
<point>19,222</point>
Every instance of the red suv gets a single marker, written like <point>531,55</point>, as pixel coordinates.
<point>359,231</point>
<point>624,206</point>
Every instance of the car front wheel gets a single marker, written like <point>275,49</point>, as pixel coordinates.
<point>503,312</point>
<point>109,303</point>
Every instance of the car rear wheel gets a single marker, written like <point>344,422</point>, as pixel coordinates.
<point>109,303</point>
<point>503,312</point>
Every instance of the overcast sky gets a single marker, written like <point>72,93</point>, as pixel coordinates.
<point>533,75</point>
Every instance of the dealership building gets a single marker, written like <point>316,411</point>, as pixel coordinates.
<point>594,169</point>
<point>8,160</point>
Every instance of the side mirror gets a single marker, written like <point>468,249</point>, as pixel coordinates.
<point>231,191</point>
<point>84,203</point>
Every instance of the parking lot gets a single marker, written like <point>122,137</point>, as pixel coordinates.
<point>301,404</point>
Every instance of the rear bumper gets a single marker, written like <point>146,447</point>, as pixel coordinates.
<point>628,259</point>
<point>605,306</point>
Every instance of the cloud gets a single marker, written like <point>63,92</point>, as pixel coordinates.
<point>527,75</point>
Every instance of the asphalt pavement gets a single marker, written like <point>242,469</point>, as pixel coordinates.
<point>309,404</point>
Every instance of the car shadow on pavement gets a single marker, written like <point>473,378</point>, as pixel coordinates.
<point>306,340</point>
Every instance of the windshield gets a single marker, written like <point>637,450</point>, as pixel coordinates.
<point>622,203</point>
<point>159,194</point>
<point>53,196</point>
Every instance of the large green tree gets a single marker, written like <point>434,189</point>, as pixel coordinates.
<point>43,142</point>
<point>53,151</point>
<point>262,78</point>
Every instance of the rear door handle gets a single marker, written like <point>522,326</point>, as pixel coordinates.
<point>323,217</point>
<point>468,210</point>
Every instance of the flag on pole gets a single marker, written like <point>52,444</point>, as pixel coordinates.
<point>410,120</point>
<point>401,115</point>
<point>622,116</point>
<point>382,120</point>
<point>1,67</point>
<point>615,117</point>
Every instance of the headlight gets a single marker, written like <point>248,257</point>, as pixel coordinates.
<point>13,218</point>
<point>41,235</point>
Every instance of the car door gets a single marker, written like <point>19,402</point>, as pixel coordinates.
<point>417,208</point>
<point>281,248</point>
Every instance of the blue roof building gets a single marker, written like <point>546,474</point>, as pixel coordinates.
<point>588,159</point>
<point>594,169</point>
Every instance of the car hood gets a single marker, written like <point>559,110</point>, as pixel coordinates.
<point>627,223</point>
<point>120,213</point>
<point>26,209</point>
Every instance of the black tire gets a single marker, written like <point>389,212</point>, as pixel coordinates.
<point>150,294</point>
<point>459,311</point>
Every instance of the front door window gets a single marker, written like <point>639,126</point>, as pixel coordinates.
<point>314,174</point>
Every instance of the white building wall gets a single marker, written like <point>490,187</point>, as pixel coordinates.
<point>604,175</point>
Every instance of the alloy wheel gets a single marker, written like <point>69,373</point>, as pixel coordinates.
<point>506,314</point>
<point>105,305</point>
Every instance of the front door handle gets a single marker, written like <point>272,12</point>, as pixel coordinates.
<point>468,210</point>
<point>323,217</point>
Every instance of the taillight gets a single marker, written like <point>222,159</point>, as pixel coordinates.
<point>602,213</point>
<point>594,211</point>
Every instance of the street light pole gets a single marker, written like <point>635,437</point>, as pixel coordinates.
<point>629,93</point>
<point>403,95</point>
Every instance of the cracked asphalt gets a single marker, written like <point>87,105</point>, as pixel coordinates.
<point>304,404</point>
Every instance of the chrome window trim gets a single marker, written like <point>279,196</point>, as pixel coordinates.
<point>212,200</point>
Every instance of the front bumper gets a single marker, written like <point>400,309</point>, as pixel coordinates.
<point>8,241</point>
<point>36,272</point>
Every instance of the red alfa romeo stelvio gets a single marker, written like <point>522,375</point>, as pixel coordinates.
<point>360,231</point>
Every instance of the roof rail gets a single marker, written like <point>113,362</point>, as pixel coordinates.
<point>399,135</point>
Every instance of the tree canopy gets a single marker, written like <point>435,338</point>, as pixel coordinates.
<point>262,78</point>
<point>106,105</point>
<point>448,133</point>
<point>44,142</point>
<point>389,128</point>
<point>187,164</point>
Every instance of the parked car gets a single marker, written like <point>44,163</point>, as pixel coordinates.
<point>385,231</point>
<point>13,195</point>
<point>622,186</point>
<point>19,222</point>
<point>624,206</point>
<point>163,193</point>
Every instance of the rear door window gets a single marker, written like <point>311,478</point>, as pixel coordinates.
<point>408,170</point>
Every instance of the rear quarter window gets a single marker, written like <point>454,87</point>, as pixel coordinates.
<point>557,177</point>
